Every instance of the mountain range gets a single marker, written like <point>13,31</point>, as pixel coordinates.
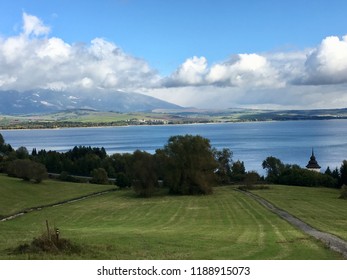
<point>48,101</point>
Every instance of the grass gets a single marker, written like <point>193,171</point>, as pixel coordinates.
<point>118,225</point>
<point>319,207</point>
<point>16,195</point>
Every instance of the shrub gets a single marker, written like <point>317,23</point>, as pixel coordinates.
<point>122,180</point>
<point>27,170</point>
<point>48,242</point>
<point>343,192</point>
<point>99,176</point>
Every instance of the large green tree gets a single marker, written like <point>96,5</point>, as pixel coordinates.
<point>189,165</point>
<point>274,168</point>
<point>144,175</point>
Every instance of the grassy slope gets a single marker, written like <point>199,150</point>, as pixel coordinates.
<point>16,195</point>
<point>226,225</point>
<point>320,208</point>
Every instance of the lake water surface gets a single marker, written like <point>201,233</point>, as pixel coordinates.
<point>290,141</point>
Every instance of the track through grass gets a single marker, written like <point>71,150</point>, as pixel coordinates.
<point>319,207</point>
<point>16,195</point>
<point>225,225</point>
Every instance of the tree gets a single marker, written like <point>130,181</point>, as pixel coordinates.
<point>38,172</point>
<point>2,140</point>
<point>223,159</point>
<point>34,152</point>
<point>99,176</point>
<point>22,153</point>
<point>190,165</point>
<point>273,167</point>
<point>297,176</point>
<point>122,180</point>
<point>238,171</point>
<point>251,178</point>
<point>343,173</point>
<point>144,175</point>
<point>343,192</point>
<point>27,170</point>
<point>328,171</point>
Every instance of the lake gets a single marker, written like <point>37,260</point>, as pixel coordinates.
<point>252,142</point>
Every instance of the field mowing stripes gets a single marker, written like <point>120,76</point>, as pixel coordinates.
<point>225,225</point>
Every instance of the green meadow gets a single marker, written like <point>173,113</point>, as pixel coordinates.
<point>17,195</point>
<point>119,225</point>
<point>319,207</point>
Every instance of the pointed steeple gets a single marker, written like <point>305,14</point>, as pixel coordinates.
<point>313,164</point>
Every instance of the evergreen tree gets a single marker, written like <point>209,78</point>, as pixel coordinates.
<point>343,173</point>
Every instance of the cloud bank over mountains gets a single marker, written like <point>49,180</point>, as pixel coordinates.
<point>314,77</point>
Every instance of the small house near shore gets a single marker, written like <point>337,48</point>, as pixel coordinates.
<point>313,164</point>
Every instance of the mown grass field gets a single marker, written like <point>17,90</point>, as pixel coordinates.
<point>118,225</point>
<point>16,195</point>
<point>319,207</point>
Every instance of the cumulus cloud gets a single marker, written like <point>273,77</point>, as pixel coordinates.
<point>191,72</point>
<point>314,77</point>
<point>327,64</point>
<point>32,59</point>
<point>242,70</point>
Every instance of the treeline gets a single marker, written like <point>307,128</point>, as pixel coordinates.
<point>292,174</point>
<point>185,165</point>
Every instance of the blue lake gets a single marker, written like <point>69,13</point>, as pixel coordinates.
<point>290,141</point>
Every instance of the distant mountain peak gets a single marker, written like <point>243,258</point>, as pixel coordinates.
<point>48,101</point>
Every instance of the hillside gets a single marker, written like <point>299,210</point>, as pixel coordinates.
<point>89,117</point>
<point>118,225</point>
<point>48,101</point>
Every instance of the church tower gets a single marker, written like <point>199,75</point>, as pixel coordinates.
<point>313,164</point>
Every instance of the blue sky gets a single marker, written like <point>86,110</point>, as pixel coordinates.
<point>236,53</point>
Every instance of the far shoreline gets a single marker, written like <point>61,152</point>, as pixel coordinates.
<point>104,125</point>
<point>167,125</point>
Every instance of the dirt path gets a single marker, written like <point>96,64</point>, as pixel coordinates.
<point>37,208</point>
<point>333,242</point>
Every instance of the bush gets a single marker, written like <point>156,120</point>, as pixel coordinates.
<point>99,176</point>
<point>66,177</point>
<point>251,178</point>
<point>303,177</point>
<point>343,192</point>
<point>27,170</point>
<point>122,180</point>
<point>48,242</point>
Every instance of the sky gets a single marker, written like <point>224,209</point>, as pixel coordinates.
<point>195,53</point>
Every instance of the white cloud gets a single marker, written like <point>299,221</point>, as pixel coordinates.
<point>191,72</point>
<point>29,61</point>
<point>244,70</point>
<point>315,77</point>
<point>34,26</point>
<point>327,64</point>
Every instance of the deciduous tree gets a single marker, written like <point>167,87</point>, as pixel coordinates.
<point>190,165</point>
